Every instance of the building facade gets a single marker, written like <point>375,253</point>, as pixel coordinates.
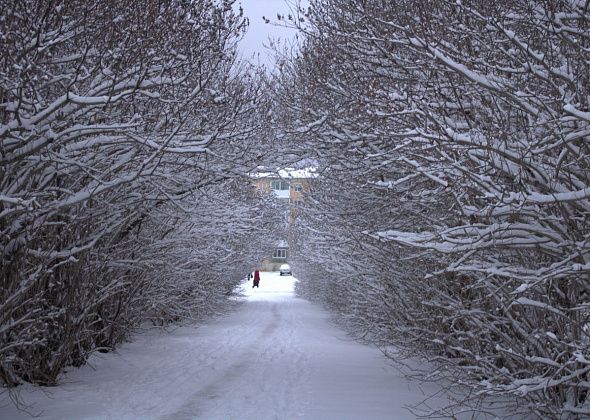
<point>289,186</point>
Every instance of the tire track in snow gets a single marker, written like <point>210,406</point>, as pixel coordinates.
<point>289,401</point>
<point>255,376</point>
<point>184,358</point>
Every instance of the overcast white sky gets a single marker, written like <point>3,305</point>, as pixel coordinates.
<point>258,33</point>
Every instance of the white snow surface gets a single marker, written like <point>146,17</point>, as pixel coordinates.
<point>276,357</point>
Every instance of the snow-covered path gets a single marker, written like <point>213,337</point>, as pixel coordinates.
<point>276,357</point>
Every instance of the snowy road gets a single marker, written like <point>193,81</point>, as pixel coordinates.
<point>276,357</point>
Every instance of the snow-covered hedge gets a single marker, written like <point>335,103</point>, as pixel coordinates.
<point>453,216</point>
<point>126,131</point>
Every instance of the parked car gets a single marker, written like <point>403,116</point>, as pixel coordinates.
<point>285,269</point>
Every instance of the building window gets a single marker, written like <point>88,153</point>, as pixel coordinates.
<point>298,187</point>
<point>296,203</point>
<point>280,253</point>
<point>279,185</point>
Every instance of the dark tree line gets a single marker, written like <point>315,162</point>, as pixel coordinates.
<point>452,217</point>
<point>126,133</point>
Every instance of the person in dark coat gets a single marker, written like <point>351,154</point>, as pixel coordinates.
<point>256,279</point>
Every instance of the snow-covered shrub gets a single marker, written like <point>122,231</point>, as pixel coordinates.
<point>117,120</point>
<point>454,136</point>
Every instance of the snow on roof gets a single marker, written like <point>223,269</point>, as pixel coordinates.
<point>263,175</point>
<point>287,173</point>
<point>298,173</point>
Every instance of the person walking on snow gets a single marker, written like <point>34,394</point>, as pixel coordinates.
<point>256,279</point>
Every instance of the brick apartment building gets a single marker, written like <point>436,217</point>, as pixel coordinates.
<point>289,186</point>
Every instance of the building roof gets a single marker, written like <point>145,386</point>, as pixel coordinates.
<point>286,173</point>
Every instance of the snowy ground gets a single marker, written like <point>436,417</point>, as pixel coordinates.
<point>276,357</point>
